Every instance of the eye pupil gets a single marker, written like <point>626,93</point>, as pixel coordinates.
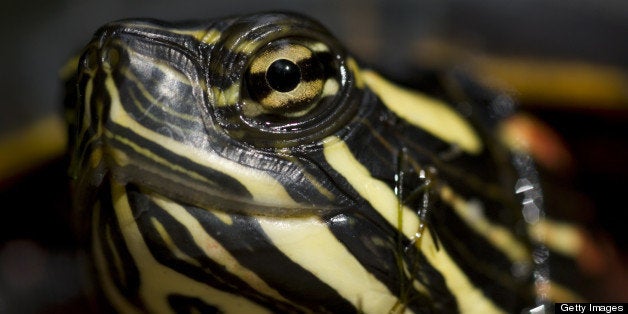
<point>283,75</point>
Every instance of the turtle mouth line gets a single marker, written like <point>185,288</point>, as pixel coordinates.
<point>230,204</point>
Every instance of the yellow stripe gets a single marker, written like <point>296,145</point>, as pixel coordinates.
<point>383,199</point>
<point>353,66</point>
<point>122,159</point>
<point>115,258</point>
<point>159,281</point>
<point>170,245</point>
<point>308,242</point>
<point>226,97</point>
<point>376,192</point>
<point>101,263</point>
<point>561,237</point>
<point>212,248</point>
<point>304,91</point>
<point>265,189</point>
<point>498,236</point>
<point>294,53</point>
<point>211,37</point>
<point>245,46</point>
<point>205,36</point>
<point>154,101</point>
<point>424,112</point>
<point>87,106</point>
<point>470,298</point>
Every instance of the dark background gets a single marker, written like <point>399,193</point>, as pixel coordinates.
<point>39,270</point>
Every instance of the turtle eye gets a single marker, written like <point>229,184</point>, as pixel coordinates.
<point>281,90</point>
<point>285,78</point>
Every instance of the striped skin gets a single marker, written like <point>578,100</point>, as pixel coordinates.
<point>200,188</point>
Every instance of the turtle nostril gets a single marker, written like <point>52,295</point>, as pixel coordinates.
<point>90,59</point>
<point>110,57</point>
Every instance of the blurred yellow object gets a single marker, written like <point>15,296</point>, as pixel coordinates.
<point>27,148</point>
<point>547,82</point>
<point>533,81</point>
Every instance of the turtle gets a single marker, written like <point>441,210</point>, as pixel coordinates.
<point>252,164</point>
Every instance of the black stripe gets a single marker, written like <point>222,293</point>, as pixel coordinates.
<point>183,101</point>
<point>378,137</point>
<point>294,178</point>
<point>486,266</point>
<point>87,140</point>
<point>128,282</point>
<point>219,181</point>
<point>288,173</point>
<point>228,116</point>
<point>209,272</point>
<point>256,86</point>
<point>225,67</point>
<point>247,242</point>
<point>376,144</point>
<point>187,305</point>
<point>380,158</point>
<point>329,64</point>
<point>376,244</point>
<point>312,69</point>
<point>246,26</point>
